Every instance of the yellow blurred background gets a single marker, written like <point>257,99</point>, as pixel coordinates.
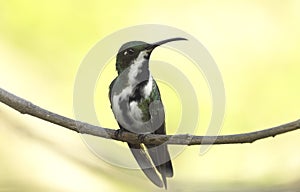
<point>254,43</point>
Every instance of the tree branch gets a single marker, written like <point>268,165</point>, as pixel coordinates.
<point>26,107</point>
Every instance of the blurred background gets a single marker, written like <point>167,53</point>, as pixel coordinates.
<point>254,43</point>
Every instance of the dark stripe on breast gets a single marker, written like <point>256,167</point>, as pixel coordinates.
<point>138,92</point>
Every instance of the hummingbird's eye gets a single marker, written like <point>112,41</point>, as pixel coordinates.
<point>130,51</point>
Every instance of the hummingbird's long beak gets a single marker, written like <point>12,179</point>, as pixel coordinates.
<point>153,45</point>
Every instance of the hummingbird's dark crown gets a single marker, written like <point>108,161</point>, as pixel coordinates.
<point>131,44</point>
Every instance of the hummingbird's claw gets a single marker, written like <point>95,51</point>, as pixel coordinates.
<point>141,137</point>
<point>118,133</point>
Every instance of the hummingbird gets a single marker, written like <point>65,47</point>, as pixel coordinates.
<point>137,106</point>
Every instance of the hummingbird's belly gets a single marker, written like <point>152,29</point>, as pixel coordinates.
<point>133,108</point>
<point>128,114</point>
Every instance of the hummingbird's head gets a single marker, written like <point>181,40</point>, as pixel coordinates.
<point>130,51</point>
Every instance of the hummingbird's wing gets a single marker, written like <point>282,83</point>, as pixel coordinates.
<point>110,91</point>
<point>161,157</point>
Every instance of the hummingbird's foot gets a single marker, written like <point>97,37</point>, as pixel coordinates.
<point>142,136</point>
<point>118,133</point>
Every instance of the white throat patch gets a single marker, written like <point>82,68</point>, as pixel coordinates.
<point>136,68</point>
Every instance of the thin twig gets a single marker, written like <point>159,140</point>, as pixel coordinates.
<point>26,107</point>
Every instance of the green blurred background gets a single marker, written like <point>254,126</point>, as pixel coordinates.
<point>254,43</point>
